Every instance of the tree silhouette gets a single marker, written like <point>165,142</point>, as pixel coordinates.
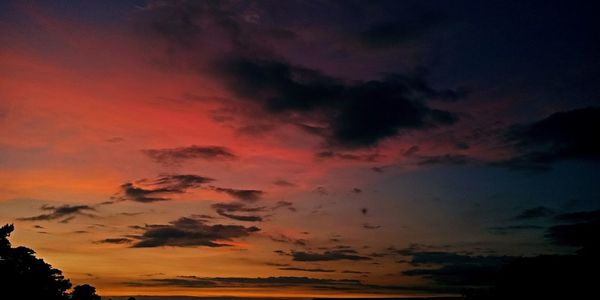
<point>24,276</point>
<point>84,292</point>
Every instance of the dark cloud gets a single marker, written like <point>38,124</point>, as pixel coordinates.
<point>411,151</point>
<point>356,190</point>
<point>187,232</point>
<point>284,183</point>
<point>276,264</point>
<point>284,204</point>
<point>178,282</point>
<point>455,269</point>
<point>115,241</point>
<point>578,229</point>
<point>236,51</point>
<point>534,213</point>
<point>282,238</point>
<point>447,159</point>
<point>321,190</point>
<point>68,219</point>
<point>405,28</point>
<point>316,270</point>
<point>228,210</point>
<point>262,282</point>
<point>182,182</point>
<point>177,155</point>
<point>346,113</point>
<point>330,255</point>
<point>580,216</point>
<point>67,212</point>
<point>568,135</point>
<point>369,226</point>
<point>138,194</point>
<point>202,216</point>
<point>355,272</point>
<point>240,282</point>
<point>377,169</point>
<point>370,157</point>
<point>502,230</point>
<point>160,189</point>
<point>244,195</point>
<point>130,214</point>
<point>354,115</point>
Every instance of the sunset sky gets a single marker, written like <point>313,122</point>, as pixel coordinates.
<point>295,148</point>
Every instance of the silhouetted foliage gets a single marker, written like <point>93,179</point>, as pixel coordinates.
<point>84,292</point>
<point>24,276</point>
<point>544,277</point>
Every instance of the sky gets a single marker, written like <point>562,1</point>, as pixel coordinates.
<point>295,148</point>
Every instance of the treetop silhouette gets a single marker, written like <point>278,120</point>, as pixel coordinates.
<point>24,276</point>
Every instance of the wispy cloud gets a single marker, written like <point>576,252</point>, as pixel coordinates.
<point>177,155</point>
<point>67,212</point>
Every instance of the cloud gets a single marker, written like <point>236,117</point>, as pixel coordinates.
<point>378,169</point>
<point>187,232</point>
<point>354,272</point>
<point>578,229</point>
<point>317,270</point>
<point>562,136</point>
<point>455,269</point>
<point>370,157</point>
<point>244,195</point>
<point>193,281</point>
<point>403,29</point>
<point>284,183</point>
<point>447,159</point>
<point>160,189</point>
<point>534,213</point>
<point>331,255</point>
<point>262,282</point>
<point>177,155</point>
<point>67,212</point>
<point>369,226</point>
<point>350,116</point>
<point>115,241</point>
<point>580,216</point>
<point>236,51</point>
<point>321,191</point>
<point>502,230</point>
<point>282,238</point>
<point>227,210</point>
<point>284,204</point>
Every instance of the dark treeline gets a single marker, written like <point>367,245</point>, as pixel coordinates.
<point>544,277</point>
<point>24,276</point>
